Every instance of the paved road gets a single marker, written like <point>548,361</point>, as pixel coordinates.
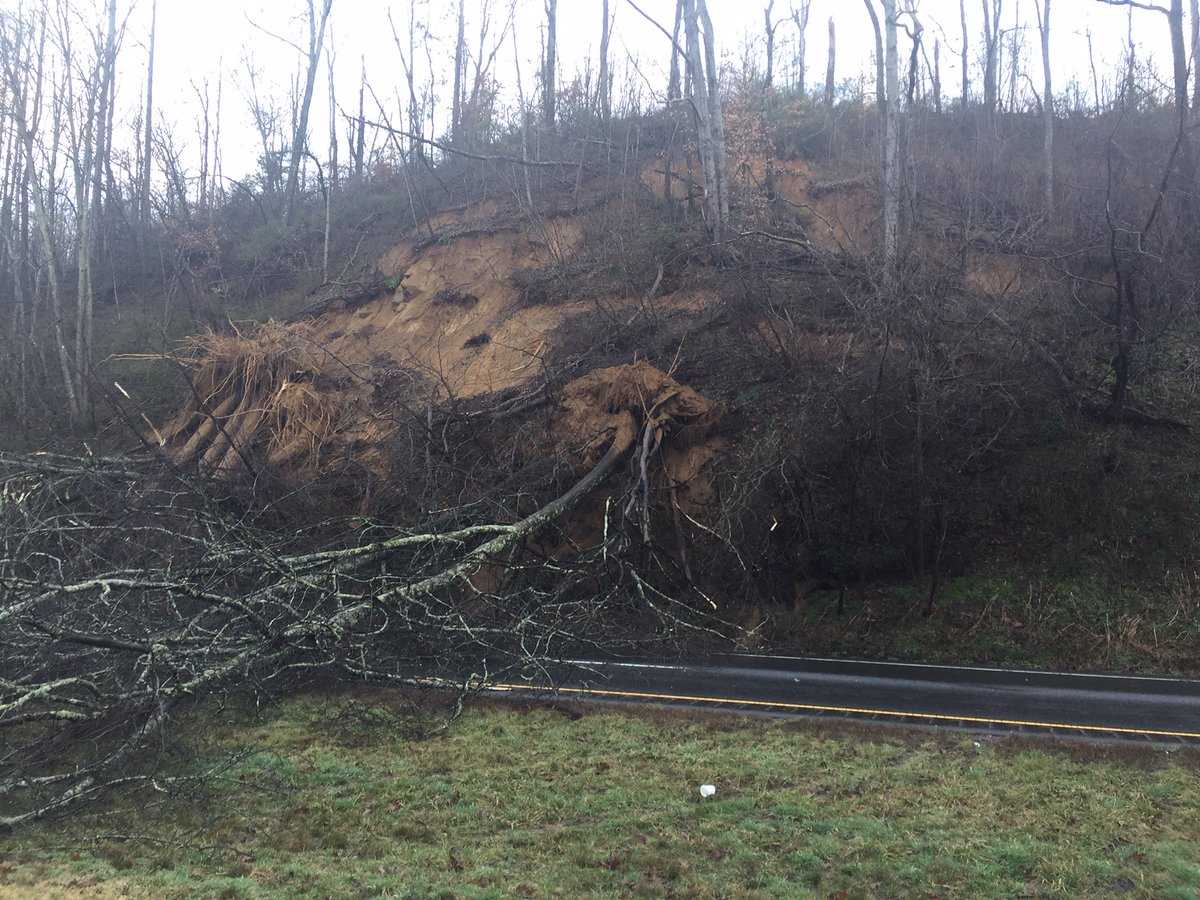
<point>1154,709</point>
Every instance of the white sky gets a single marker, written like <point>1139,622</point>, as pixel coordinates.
<point>200,40</point>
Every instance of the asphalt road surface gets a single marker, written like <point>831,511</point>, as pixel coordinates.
<point>1159,710</point>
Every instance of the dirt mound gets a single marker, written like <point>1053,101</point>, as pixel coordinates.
<point>455,313</point>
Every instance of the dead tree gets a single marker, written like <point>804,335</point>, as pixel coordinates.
<point>937,75</point>
<point>316,41</point>
<point>706,102</point>
<point>769,28</point>
<point>360,135</point>
<point>800,18</point>
<point>459,62</point>
<point>674,88</point>
<point>881,94</point>
<point>550,64</point>
<point>1043,16</point>
<point>964,59</point>
<point>991,57</point>
<point>416,124</point>
<point>153,597</point>
<point>891,143</point>
<point>829,66</point>
<point>148,126</point>
<point>1194,11</point>
<point>604,87</point>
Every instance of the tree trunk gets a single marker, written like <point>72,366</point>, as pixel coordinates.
<point>1179,56</point>
<point>706,140</point>
<point>148,139</point>
<point>770,33</point>
<point>674,88</point>
<point>991,39</point>
<point>964,61</point>
<point>829,66</point>
<point>891,162</point>
<point>1047,111</point>
<point>914,59</point>
<point>937,76</point>
<point>550,64</point>
<point>1194,9</point>
<point>360,136</point>
<point>604,86</point>
<point>880,88</point>
<point>800,17</point>
<point>316,39</point>
<point>459,61</point>
<point>716,115</point>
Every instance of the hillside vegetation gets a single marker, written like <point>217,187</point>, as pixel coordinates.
<point>737,366</point>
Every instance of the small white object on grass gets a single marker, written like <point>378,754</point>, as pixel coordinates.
<point>707,790</point>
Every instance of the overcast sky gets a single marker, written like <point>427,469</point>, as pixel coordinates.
<point>198,41</point>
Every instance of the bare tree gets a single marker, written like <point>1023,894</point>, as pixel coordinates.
<point>706,105</point>
<point>829,66</point>
<point>891,142</point>
<point>550,64</point>
<point>991,56</point>
<point>459,62</point>
<point>964,59</point>
<point>936,76</point>
<point>360,133</point>
<point>1194,10</point>
<point>800,17</point>
<point>43,198</point>
<point>604,87</point>
<point>915,34</point>
<point>769,28</point>
<point>316,41</point>
<point>1043,16</point>
<point>881,95</point>
<point>144,193</point>
<point>716,114</point>
<point>408,62</point>
<point>674,88</point>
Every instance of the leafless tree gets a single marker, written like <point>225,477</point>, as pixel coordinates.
<point>991,56</point>
<point>460,46</point>
<point>770,26</point>
<point>1043,15</point>
<point>1194,12</point>
<point>604,85</point>
<point>800,18</point>
<point>881,95</point>
<point>937,75</point>
<point>829,65</point>
<point>550,64</point>
<point>964,58</point>
<point>891,142</point>
<point>674,88</point>
<point>316,42</point>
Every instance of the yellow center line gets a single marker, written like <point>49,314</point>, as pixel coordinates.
<point>814,707</point>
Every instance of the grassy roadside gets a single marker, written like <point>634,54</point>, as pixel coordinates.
<point>1002,616</point>
<point>335,797</point>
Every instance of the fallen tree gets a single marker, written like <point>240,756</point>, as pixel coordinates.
<point>127,592</point>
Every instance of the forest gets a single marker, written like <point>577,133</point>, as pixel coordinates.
<point>692,343</point>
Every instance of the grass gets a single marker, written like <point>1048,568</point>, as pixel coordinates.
<point>335,798</point>
<point>1007,617</point>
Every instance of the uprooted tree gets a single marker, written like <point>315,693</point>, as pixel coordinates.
<point>132,587</point>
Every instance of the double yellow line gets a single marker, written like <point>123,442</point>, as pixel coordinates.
<point>849,710</point>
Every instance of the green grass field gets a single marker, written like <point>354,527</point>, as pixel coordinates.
<point>334,796</point>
